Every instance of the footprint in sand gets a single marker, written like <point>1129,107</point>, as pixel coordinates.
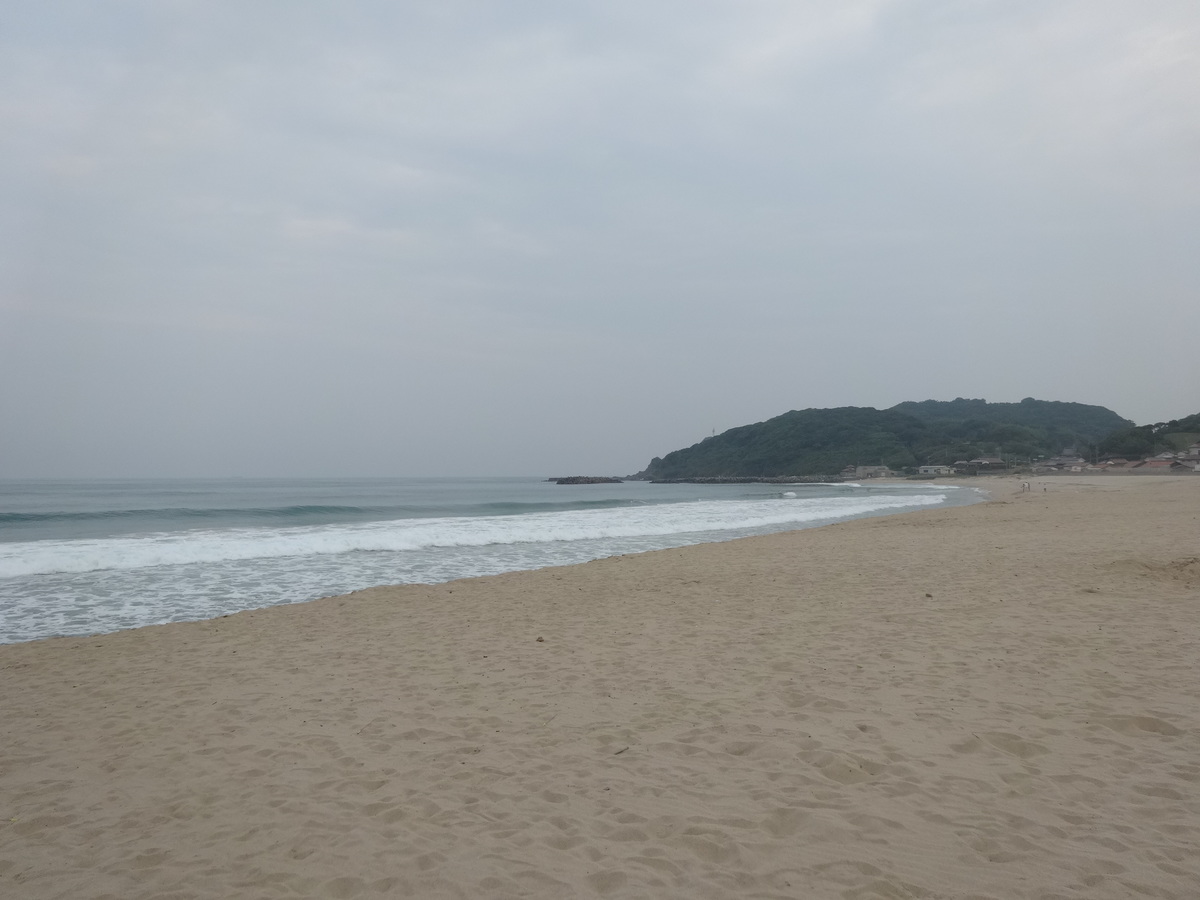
<point>848,769</point>
<point>1013,744</point>
<point>1138,724</point>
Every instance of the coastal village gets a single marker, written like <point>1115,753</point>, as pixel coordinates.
<point>1069,462</point>
<point>1185,462</point>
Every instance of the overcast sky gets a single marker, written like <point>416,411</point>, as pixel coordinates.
<point>534,237</point>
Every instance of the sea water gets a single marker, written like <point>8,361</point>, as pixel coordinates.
<point>84,557</point>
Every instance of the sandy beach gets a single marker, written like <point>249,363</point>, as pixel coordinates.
<point>993,701</point>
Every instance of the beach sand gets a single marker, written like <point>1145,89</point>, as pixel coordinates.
<point>994,701</point>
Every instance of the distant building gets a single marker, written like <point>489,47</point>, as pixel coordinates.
<point>867,472</point>
<point>987,462</point>
<point>1064,460</point>
<point>935,470</point>
<point>1155,464</point>
<point>1163,464</point>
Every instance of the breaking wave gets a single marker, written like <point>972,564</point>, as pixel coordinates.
<point>411,534</point>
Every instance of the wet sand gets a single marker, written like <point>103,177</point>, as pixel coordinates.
<point>994,701</point>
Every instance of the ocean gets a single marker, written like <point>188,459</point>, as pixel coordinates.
<point>82,557</point>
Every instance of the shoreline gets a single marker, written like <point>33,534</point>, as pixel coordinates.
<point>143,577</point>
<point>995,700</point>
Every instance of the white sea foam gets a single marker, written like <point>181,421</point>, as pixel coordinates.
<point>922,486</point>
<point>84,586</point>
<point>183,548</point>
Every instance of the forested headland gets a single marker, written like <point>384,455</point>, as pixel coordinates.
<point>930,432</point>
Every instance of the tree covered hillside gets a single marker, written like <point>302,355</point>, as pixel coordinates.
<point>1146,440</point>
<point>1063,423</point>
<point>824,441</point>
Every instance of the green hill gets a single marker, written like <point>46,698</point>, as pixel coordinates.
<point>824,441</point>
<point>1063,423</point>
<point>1146,440</point>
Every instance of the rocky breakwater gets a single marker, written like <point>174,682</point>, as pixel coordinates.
<point>586,479</point>
<point>764,479</point>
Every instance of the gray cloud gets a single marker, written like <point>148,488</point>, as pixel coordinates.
<point>469,238</point>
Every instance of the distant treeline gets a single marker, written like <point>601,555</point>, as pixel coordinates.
<point>1141,441</point>
<point>931,432</point>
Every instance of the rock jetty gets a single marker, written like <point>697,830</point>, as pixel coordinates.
<point>586,479</point>
<point>764,479</point>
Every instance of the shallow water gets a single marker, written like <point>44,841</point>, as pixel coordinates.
<point>82,557</point>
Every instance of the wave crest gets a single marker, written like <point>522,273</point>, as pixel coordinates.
<point>397,536</point>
